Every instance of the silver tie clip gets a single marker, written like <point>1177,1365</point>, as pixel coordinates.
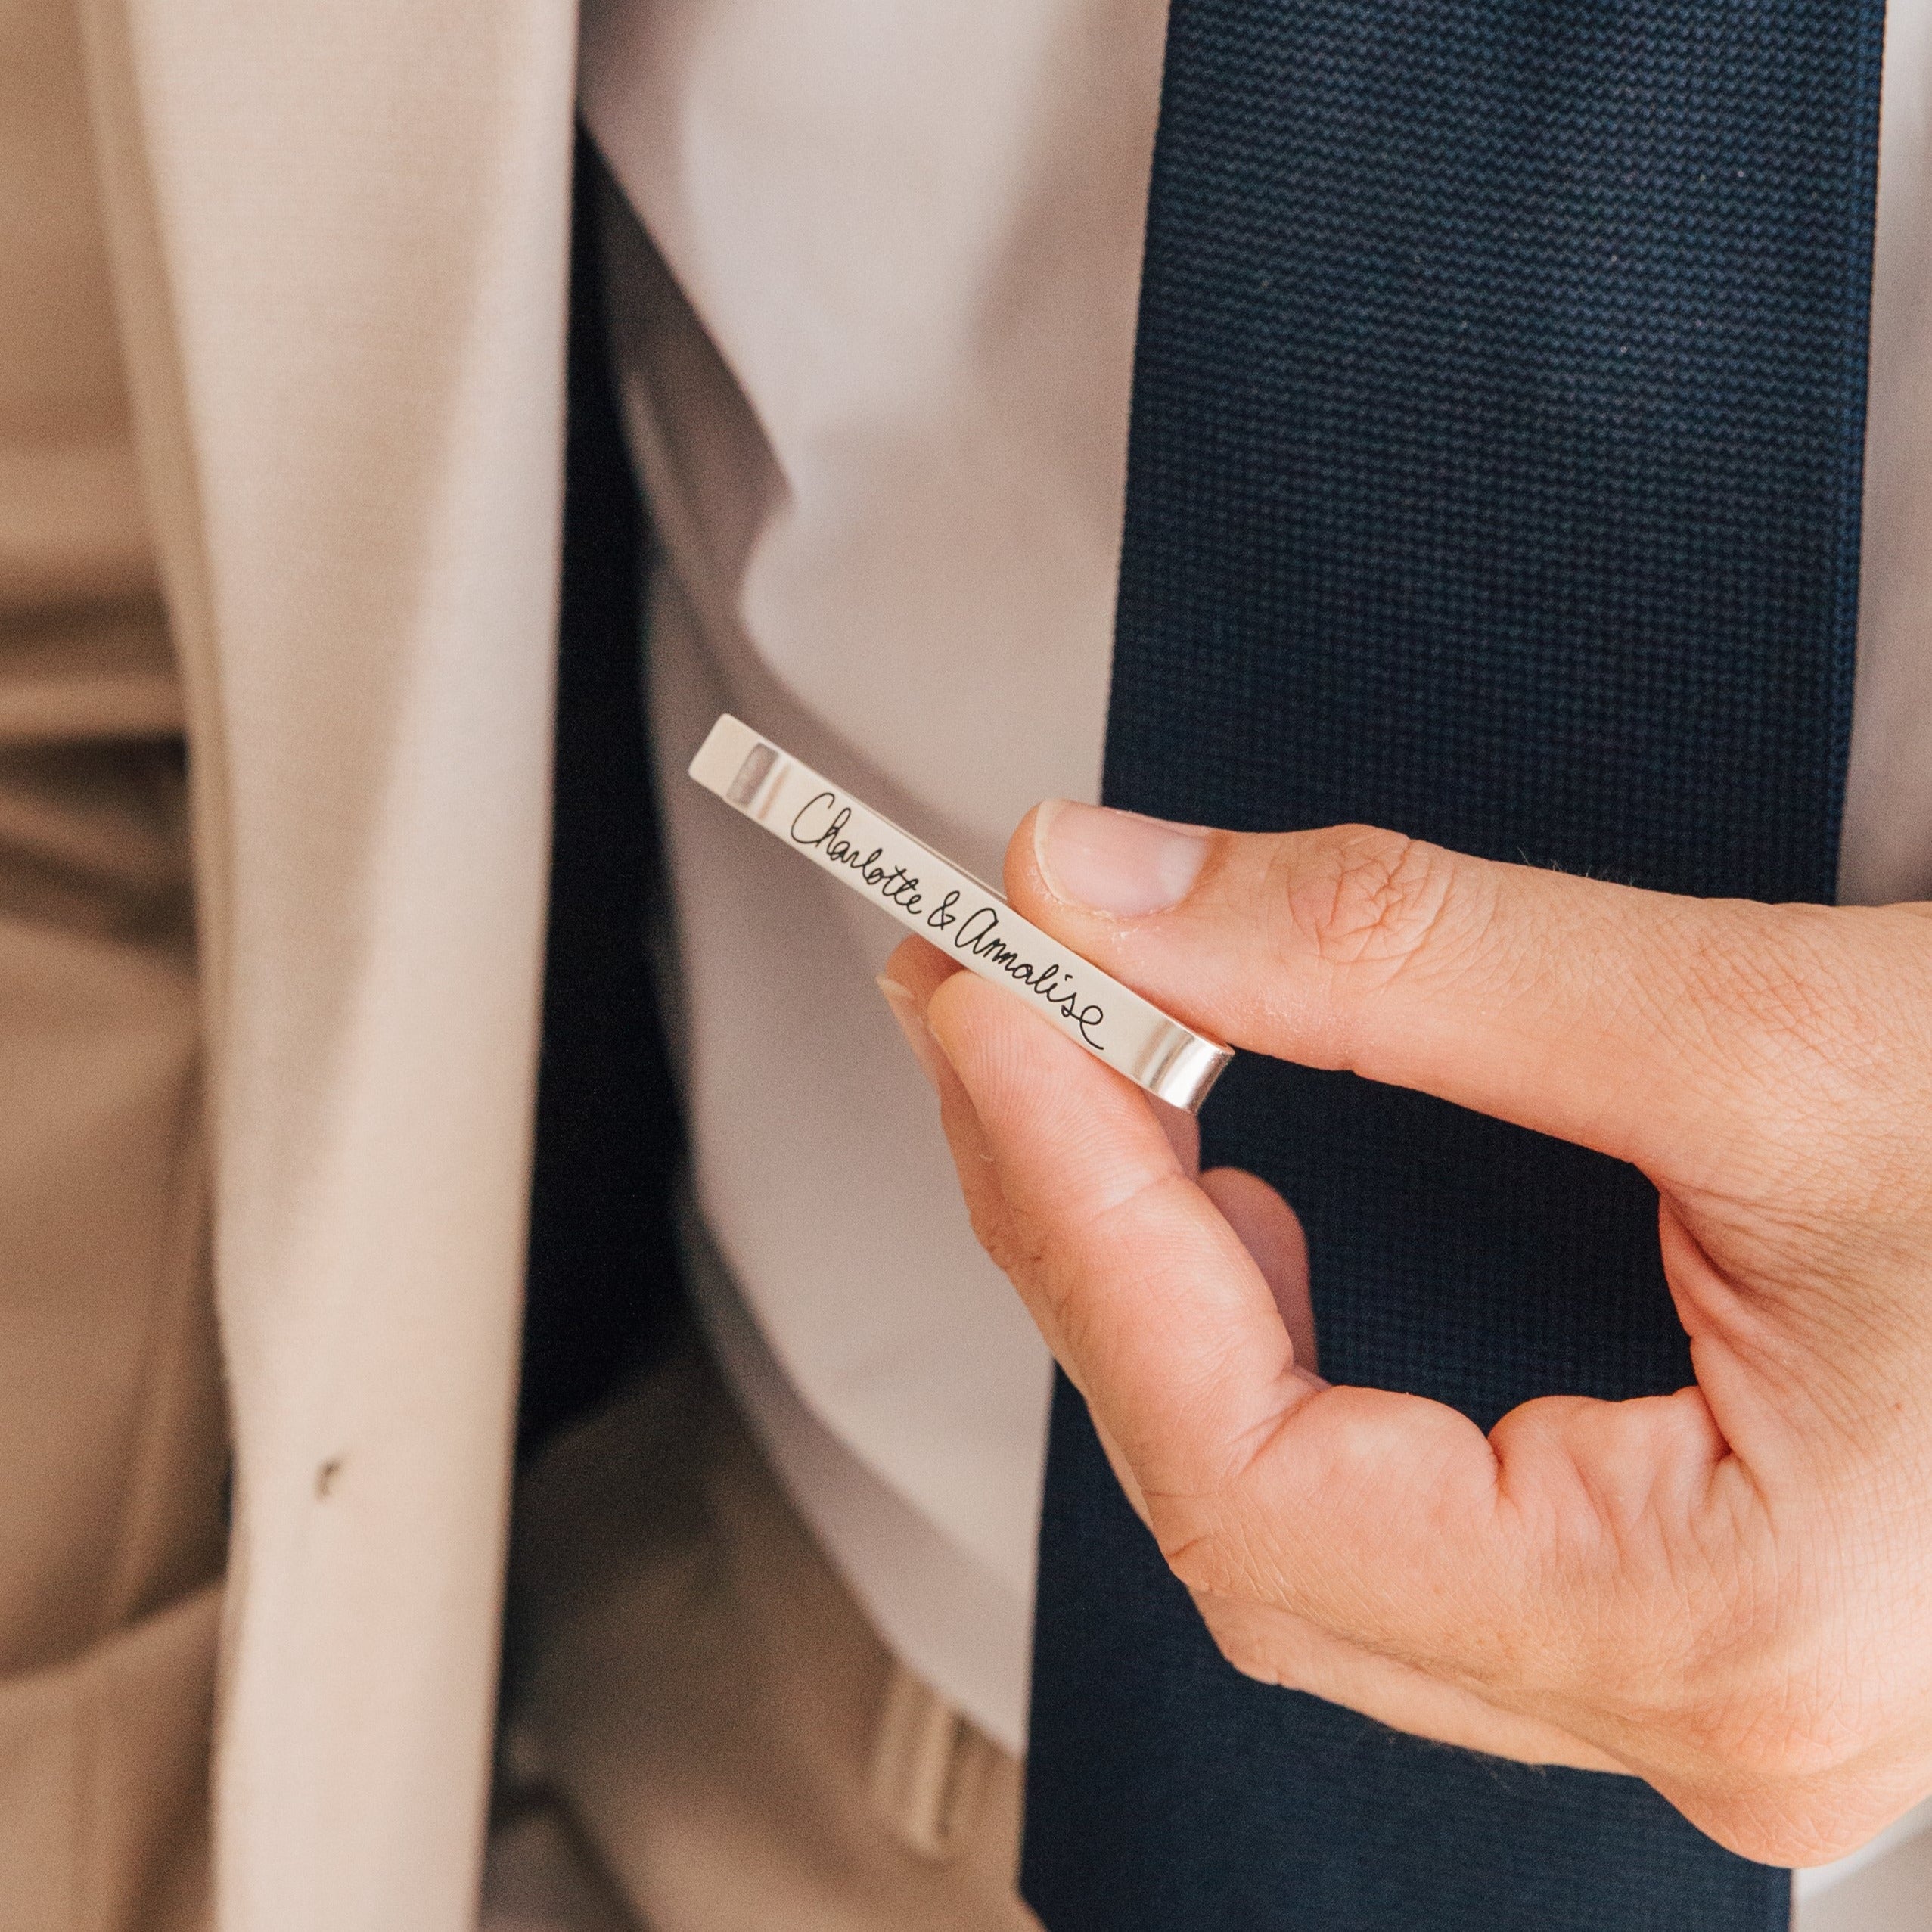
<point>963,916</point>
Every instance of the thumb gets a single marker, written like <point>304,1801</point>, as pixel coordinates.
<point>1591,1011</point>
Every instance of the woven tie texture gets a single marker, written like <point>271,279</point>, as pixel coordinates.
<point>1494,477</point>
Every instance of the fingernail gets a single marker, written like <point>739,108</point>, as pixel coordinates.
<point>1115,861</point>
<point>906,1010</point>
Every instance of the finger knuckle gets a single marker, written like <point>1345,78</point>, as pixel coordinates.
<point>1199,1558</point>
<point>1373,899</point>
<point>1244,1637</point>
<point>1199,1543</point>
<point>1013,1242</point>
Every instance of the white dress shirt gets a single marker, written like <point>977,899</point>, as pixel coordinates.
<point>875,332</point>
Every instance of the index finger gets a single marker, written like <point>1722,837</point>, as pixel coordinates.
<point>1384,1518</point>
<point>1157,1310</point>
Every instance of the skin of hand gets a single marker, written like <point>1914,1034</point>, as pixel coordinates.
<point>1726,1590</point>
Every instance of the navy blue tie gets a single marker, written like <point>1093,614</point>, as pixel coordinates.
<point>1494,477</point>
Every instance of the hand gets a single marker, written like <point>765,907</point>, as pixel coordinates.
<point>1727,1591</point>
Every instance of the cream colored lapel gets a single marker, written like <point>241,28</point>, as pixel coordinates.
<point>340,234</point>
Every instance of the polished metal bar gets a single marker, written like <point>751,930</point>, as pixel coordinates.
<point>962,915</point>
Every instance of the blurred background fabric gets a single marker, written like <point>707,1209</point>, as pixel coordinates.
<point>112,1454</point>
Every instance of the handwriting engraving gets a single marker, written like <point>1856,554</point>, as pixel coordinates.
<point>821,824</point>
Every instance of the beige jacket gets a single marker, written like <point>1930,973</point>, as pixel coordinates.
<point>336,237</point>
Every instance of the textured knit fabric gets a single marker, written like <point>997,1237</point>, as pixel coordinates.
<point>1494,476</point>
